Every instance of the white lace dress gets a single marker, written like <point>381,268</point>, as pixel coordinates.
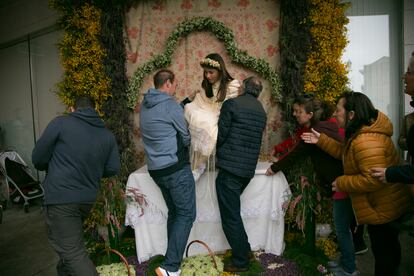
<point>202,116</point>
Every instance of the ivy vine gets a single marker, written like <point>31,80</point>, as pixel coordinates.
<point>222,33</point>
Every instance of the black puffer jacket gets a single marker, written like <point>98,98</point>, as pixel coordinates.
<point>240,129</point>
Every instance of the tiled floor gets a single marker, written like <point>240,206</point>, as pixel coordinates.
<point>24,249</point>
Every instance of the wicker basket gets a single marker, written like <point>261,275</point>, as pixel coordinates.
<point>210,252</point>
<point>124,260</point>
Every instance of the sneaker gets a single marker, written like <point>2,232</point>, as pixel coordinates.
<point>159,271</point>
<point>339,271</point>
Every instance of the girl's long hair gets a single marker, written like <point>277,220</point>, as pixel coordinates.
<point>225,78</point>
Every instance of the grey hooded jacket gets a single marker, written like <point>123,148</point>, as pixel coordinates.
<point>164,133</point>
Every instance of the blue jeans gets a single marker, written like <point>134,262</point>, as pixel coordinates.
<point>178,190</point>
<point>65,233</point>
<point>343,215</point>
<point>229,187</point>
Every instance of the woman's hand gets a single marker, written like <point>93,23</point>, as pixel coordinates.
<point>311,137</point>
<point>334,188</point>
<point>269,172</point>
<point>379,173</point>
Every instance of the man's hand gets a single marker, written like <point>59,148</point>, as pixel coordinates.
<point>311,137</point>
<point>269,172</point>
<point>379,173</point>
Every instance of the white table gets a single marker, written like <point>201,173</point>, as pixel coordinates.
<point>261,210</point>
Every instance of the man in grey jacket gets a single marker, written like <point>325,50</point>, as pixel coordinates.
<point>166,143</point>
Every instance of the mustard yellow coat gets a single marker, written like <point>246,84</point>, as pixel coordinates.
<point>373,202</point>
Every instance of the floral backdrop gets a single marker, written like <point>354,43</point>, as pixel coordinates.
<point>255,25</point>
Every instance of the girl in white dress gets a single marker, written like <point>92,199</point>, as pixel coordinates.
<point>203,112</point>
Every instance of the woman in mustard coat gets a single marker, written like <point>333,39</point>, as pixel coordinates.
<point>368,144</point>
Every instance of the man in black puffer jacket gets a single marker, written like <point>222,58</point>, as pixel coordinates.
<point>241,124</point>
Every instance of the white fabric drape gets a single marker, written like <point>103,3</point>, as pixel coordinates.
<point>261,209</point>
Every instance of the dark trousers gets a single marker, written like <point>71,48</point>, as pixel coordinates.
<point>178,190</point>
<point>229,187</point>
<point>386,248</point>
<point>65,233</point>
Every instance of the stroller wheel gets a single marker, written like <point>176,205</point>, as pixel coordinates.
<point>26,207</point>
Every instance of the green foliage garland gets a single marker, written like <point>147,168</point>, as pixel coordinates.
<point>117,114</point>
<point>295,44</point>
<point>224,34</point>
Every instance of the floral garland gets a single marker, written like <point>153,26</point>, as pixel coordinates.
<point>325,74</point>
<point>224,34</point>
<point>82,56</point>
<point>210,63</point>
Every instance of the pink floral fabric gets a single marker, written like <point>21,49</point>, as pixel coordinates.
<point>255,25</point>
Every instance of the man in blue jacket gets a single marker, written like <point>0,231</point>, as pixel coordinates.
<point>76,151</point>
<point>166,143</point>
<point>240,129</point>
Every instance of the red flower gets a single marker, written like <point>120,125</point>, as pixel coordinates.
<point>214,3</point>
<point>133,32</point>
<point>271,24</point>
<point>132,56</point>
<point>243,3</point>
<point>200,54</point>
<point>159,31</point>
<point>271,50</point>
<point>186,5</point>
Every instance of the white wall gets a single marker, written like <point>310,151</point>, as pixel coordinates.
<point>29,71</point>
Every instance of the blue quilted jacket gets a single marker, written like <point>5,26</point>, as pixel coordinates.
<point>241,124</point>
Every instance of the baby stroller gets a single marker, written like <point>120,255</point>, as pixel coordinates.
<point>19,180</point>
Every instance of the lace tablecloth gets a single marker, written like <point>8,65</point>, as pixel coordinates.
<point>261,209</point>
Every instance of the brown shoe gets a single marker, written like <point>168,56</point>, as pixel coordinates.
<point>230,267</point>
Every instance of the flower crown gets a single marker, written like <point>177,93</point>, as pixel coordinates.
<point>210,63</point>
